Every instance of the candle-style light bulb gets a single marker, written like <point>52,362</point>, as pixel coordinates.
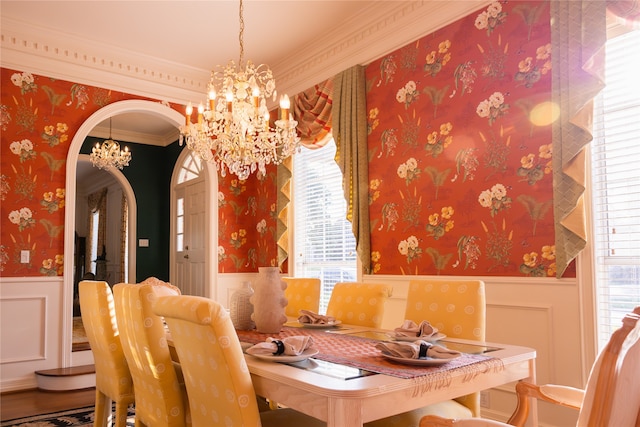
<point>285,104</point>
<point>254,96</point>
<point>212,99</point>
<point>229,97</point>
<point>200,111</point>
<point>188,114</point>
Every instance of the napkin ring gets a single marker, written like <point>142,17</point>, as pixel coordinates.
<point>280,347</point>
<point>424,347</point>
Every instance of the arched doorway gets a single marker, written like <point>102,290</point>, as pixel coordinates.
<point>117,108</point>
<point>192,221</point>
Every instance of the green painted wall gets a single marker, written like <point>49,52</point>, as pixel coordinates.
<point>149,174</point>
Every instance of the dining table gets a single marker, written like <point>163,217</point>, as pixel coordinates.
<point>346,381</point>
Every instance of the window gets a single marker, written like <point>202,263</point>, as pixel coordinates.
<point>324,245</point>
<point>615,152</point>
<point>190,170</point>
<point>95,223</point>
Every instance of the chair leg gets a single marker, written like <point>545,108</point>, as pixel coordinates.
<point>102,410</point>
<point>122,410</point>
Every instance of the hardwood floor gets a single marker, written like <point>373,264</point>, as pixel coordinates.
<point>33,402</point>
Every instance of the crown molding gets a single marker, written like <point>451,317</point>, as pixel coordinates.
<point>126,136</point>
<point>27,47</point>
<point>376,31</point>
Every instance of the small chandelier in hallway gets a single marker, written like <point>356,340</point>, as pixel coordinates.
<point>233,130</point>
<point>108,154</point>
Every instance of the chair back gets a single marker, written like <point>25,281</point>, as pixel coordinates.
<point>159,397</point>
<point>612,394</point>
<point>457,308</point>
<point>160,287</point>
<point>359,304</point>
<point>302,293</point>
<point>216,375</point>
<point>113,378</point>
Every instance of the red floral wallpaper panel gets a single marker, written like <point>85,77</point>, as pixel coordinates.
<point>247,218</point>
<point>38,118</point>
<point>460,163</point>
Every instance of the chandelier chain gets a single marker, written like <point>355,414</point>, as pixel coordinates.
<point>241,34</point>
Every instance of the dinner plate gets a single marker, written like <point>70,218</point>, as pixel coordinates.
<point>283,358</point>
<point>427,361</point>
<point>437,337</point>
<point>321,325</point>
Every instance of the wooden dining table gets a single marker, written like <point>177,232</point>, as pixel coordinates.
<point>348,382</point>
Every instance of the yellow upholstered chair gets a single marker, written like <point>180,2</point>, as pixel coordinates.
<point>212,360</point>
<point>359,304</point>
<point>302,293</point>
<point>610,399</point>
<point>160,398</point>
<point>113,380</point>
<point>457,309</point>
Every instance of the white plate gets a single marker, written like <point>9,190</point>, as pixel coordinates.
<point>283,358</point>
<point>320,325</point>
<point>428,361</point>
<point>437,337</point>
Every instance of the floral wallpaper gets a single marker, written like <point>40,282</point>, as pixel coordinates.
<point>460,159</point>
<point>460,164</point>
<point>38,119</point>
<point>247,217</point>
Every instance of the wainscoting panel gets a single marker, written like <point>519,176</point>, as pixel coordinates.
<point>31,329</point>
<point>16,349</point>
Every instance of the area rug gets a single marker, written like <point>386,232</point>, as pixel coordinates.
<point>79,335</point>
<point>71,418</point>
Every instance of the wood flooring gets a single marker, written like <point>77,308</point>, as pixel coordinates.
<point>34,402</point>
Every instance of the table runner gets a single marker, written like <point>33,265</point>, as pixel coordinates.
<point>359,352</point>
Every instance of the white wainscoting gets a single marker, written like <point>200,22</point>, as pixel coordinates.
<point>541,313</point>
<point>30,329</point>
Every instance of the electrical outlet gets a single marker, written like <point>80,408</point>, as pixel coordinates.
<point>24,257</point>
<point>485,400</point>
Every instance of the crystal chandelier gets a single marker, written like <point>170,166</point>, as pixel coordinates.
<point>233,129</point>
<point>108,154</point>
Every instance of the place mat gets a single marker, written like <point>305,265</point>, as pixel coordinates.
<point>359,352</point>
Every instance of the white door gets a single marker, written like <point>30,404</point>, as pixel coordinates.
<point>190,238</point>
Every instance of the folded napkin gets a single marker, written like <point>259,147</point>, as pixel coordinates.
<point>307,316</point>
<point>416,350</point>
<point>411,329</point>
<point>289,346</point>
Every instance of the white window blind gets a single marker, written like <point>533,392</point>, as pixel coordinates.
<point>324,245</point>
<point>616,186</point>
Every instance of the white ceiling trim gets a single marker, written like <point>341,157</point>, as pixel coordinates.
<point>376,31</point>
<point>124,136</point>
<point>367,37</point>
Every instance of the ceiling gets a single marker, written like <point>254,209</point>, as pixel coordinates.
<point>166,49</point>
